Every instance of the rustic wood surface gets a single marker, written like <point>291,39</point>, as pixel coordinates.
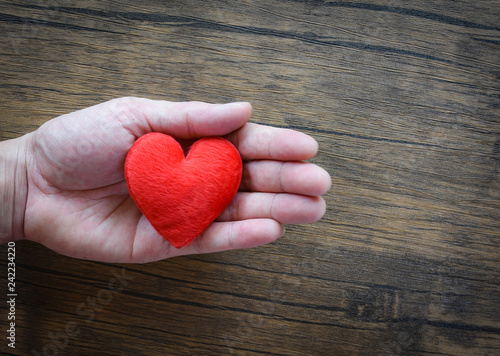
<point>404,99</point>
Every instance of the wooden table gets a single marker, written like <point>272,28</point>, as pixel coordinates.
<point>403,98</point>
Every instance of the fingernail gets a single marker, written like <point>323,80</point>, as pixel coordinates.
<point>237,104</point>
<point>283,229</point>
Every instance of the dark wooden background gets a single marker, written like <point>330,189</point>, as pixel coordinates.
<point>404,99</point>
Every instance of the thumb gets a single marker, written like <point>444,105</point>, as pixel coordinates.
<point>183,120</point>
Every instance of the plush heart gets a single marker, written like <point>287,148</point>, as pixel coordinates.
<point>181,196</point>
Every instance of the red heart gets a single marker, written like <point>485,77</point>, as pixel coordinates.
<point>181,196</point>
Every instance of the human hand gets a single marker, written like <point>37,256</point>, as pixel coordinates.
<point>78,202</point>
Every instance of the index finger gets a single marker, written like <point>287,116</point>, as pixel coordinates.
<point>255,141</point>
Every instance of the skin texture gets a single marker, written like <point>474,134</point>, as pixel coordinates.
<point>76,202</point>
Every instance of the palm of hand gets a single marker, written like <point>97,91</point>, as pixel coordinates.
<point>78,201</point>
<point>78,187</point>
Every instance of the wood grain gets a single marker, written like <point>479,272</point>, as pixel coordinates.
<point>404,100</point>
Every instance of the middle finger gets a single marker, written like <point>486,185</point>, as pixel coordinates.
<point>284,177</point>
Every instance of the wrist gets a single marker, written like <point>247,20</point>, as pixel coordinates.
<point>13,188</point>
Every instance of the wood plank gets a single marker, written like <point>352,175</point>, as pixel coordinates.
<point>403,98</point>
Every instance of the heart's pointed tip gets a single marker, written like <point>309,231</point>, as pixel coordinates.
<point>178,245</point>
